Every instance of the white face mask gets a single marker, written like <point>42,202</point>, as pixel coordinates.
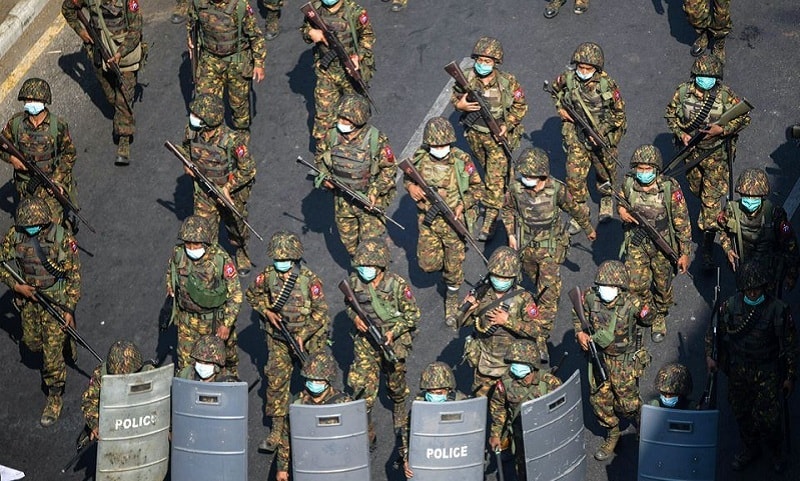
<point>195,254</point>
<point>204,370</point>
<point>440,152</point>
<point>584,76</point>
<point>195,122</point>
<point>607,293</point>
<point>344,128</point>
<point>33,108</point>
<point>529,182</point>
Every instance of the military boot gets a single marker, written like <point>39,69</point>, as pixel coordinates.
<point>489,225</point>
<point>607,448</point>
<point>606,209</point>
<point>551,10</point>
<point>707,250</point>
<point>271,442</point>
<point>123,150</point>
<point>52,410</point>
<point>700,44</point>
<point>272,28</point>
<point>179,12</point>
<point>242,261</point>
<point>581,6</point>
<point>451,307</point>
<point>398,5</point>
<point>719,48</point>
<point>659,328</point>
<point>371,435</point>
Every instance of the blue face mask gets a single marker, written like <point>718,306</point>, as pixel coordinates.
<point>482,69</point>
<point>669,402</point>
<point>705,83</point>
<point>519,370</point>
<point>316,387</point>
<point>282,266</point>
<point>500,284</point>
<point>367,273</point>
<point>750,204</point>
<point>435,398</point>
<point>754,302</point>
<point>645,178</point>
<point>33,108</point>
<point>33,230</point>
<point>330,3</point>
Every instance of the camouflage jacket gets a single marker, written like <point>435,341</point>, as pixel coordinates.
<point>614,323</point>
<point>508,396</point>
<point>240,16</point>
<point>503,93</point>
<point>28,137</point>
<point>352,26</point>
<point>241,166</point>
<point>127,35</point>
<point>454,177</point>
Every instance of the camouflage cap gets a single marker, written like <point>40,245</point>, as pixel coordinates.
<point>752,275</point>
<point>354,108</point>
<point>437,375</point>
<point>708,65</point>
<point>589,53</point>
<point>612,273</point>
<point>438,131</point>
<point>533,162</point>
<point>647,155</point>
<point>196,229</point>
<point>210,349</point>
<point>285,246</point>
<point>33,211</point>
<point>209,109</point>
<point>488,47</point>
<point>753,183</point>
<point>674,378</point>
<point>320,365</point>
<point>35,89</point>
<point>123,358</point>
<point>372,252</point>
<point>523,351</point>
<point>504,262</point>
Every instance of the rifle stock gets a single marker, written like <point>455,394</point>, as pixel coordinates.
<point>598,362</point>
<point>372,328</point>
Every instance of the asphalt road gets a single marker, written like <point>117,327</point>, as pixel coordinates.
<point>138,209</point>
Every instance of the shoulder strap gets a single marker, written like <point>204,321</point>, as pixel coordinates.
<point>497,302</point>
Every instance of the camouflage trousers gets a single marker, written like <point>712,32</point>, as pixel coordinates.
<point>753,392</point>
<point>124,123</point>
<point>714,15</point>
<point>191,327</point>
<point>271,4</point>
<point>482,384</point>
<point>439,248</point>
<point>543,266</point>
<point>619,395</point>
<point>42,333</point>
<point>331,85</point>
<point>364,375</point>
<point>651,274</point>
<point>580,159</point>
<point>355,224</point>
<point>235,72</point>
<point>278,371</point>
<point>207,207</point>
<point>494,163</point>
<point>709,181</point>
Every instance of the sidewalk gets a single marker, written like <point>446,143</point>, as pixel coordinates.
<point>16,16</point>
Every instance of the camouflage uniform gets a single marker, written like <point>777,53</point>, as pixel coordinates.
<point>272,23</point>
<point>508,106</point>
<point>209,349</point>
<point>673,381</point>
<point>711,19</point>
<point>48,261</point>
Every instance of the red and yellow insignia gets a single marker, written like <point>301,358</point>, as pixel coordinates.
<point>389,154</point>
<point>363,18</point>
<point>722,219</point>
<point>407,292</point>
<point>519,94</point>
<point>470,168</point>
<point>316,290</point>
<point>677,196</point>
<point>532,309</point>
<point>260,279</point>
<point>77,3</point>
<point>617,95</point>
<point>133,6</point>
<point>229,270</point>
<point>500,387</point>
<point>249,9</point>
<point>73,246</point>
<point>644,312</point>
<point>241,151</point>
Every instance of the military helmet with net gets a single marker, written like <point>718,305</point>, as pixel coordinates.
<point>589,53</point>
<point>123,358</point>
<point>320,366</point>
<point>753,183</point>
<point>708,65</point>
<point>354,108</point>
<point>33,211</point>
<point>533,162</point>
<point>647,155</point>
<point>437,375</point>
<point>612,273</point>
<point>209,349</point>
<point>752,275</point>
<point>523,351</point>
<point>209,109</point>
<point>372,252</point>
<point>196,229</point>
<point>504,262</point>
<point>285,246</point>
<point>488,47</point>
<point>438,131</point>
<point>35,89</point>
<point>674,378</point>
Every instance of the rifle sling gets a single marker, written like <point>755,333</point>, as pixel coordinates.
<point>497,302</point>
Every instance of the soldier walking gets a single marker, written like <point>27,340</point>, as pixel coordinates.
<point>711,19</point>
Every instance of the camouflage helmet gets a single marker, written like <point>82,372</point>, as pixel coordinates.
<point>209,109</point>
<point>533,162</point>
<point>752,183</point>
<point>33,211</point>
<point>523,351</point>
<point>285,246</point>
<point>123,358</point>
<point>320,365</point>
<point>438,131</point>
<point>437,375</point>
<point>647,155</point>
<point>354,108</point>
<point>372,252</point>
<point>35,89</point>
<point>210,349</point>
<point>504,262</point>
<point>488,47</point>
<point>752,275</point>
<point>708,65</point>
<point>612,273</point>
<point>589,53</point>
<point>196,229</point>
<point>674,378</point>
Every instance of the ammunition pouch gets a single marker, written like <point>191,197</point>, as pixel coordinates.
<point>326,60</point>
<point>638,236</point>
<point>471,118</point>
<point>472,351</point>
<point>431,215</point>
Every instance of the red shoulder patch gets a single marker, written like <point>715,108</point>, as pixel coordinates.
<point>229,271</point>
<point>501,388</point>
<point>260,280</point>
<point>389,154</point>
<point>677,196</point>
<point>735,100</point>
<point>363,19</point>
<point>644,312</point>
<point>469,167</point>
<point>77,3</point>
<point>519,94</point>
<point>249,9</point>
<point>617,95</point>
<point>241,151</point>
<point>133,6</point>
<point>407,292</point>
<point>532,310</point>
<point>316,290</point>
<point>73,246</point>
<point>722,219</point>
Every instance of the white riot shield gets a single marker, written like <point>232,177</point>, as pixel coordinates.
<point>134,426</point>
<point>447,440</point>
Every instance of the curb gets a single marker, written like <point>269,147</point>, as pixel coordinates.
<point>19,18</point>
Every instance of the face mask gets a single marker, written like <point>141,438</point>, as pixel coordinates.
<point>204,370</point>
<point>440,152</point>
<point>195,254</point>
<point>754,302</point>
<point>33,230</point>
<point>500,284</point>
<point>316,387</point>
<point>750,204</point>
<point>195,122</point>
<point>646,178</point>
<point>705,83</point>
<point>367,273</point>
<point>345,129</point>
<point>282,266</point>
<point>529,182</point>
<point>435,398</point>
<point>33,108</point>
<point>330,3</point>
<point>607,293</point>
<point>669,402</point>
<point>519,370</point>
<point>584,76</point>
<point>482,69</point>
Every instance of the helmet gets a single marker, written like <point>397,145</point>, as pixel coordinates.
<point>793,132</point>
<point>354,108</point>
<point>753,182</point>
<point>523,351</point>
<point>533,163</point>
<point>33,211</point>
<point>612,273</point>
<point>438,131</point>
<point>209,109</point>
<point>285,245</point>
<point>123,358</point>
<point>437,375</point>
<point>196,229</point>
<point>320,365</point>
<point>488,47</point>
<point>209,348</point>
<point>35,89</point>
<point>504,262</point>
<point>674,378</point>
<point>372,252</point>
<point>708,65</point>
<point>647,155</point>
<point>752,275</point>
<point>589,53</point>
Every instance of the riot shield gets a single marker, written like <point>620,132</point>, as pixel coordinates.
<point>209,430</point>
<point>134,426</point>
<point>447,440</point>
<point>329,442</point>
<point>677,444</point>
<point>552,434</point>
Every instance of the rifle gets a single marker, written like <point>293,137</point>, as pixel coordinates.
<point>45,301</point>
<point>479,289</point>
<point>709,398</point>
<point>356,196</point>
<point>735,237</point>
<point>82,444</point>
<point>44,179</point>
<point>598,362</point>
<point>210,187</point>
<point>438,206</point>
<point>293,344</point>
<point>333,43</point>
<point>372,328</point>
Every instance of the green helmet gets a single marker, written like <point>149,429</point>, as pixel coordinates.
<point>504,262</point>
<point>372,252</point>
<point>320,365</point>
<point>35,89</point>
<point>196,229</point>
<point>674,378</point>
<point>354,108</point>
<point>438,131</point>
<point>437,375</point>
<point>647,155</point>
<point>524,352</point>
<point>285,246</point>
<point>123,358</point>
<point>589,53</point>
<point>209,349</point>
<point>209,109</point>
<point>612,273</point>
<point>488,47</point>
<point>533,162</point>
<point>708,65</point>
<point>33,211</point>
<point>752,275</point>
<point>752,183</point>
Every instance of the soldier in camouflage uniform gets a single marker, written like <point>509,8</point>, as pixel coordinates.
<point>659,200</point>
<point>508,106</point>
<point>614,313</point>
<point>287,292</point>
<point>502,314</point>
<point>222,155</point>
<point>46,256</point>
<point>551,10</point>
<point>397,5</point>
<point>358,155</point>
<point>532,216</point>
<point>119,23</point>
<point>687,112</point>
<point>758,354</point>
<point>756,229</point>
<point>206,293</point>
<point>272,23</point>
<point>711,19</point>
<point>591,92</point>
<point>208,361</point>
<point>320,372</point>
<point>388,301</point>
<point>354,29</point>
<point>674,386</point>
<point>523,382</point>
<point>451,172</point>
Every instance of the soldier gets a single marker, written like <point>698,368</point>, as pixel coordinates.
<point>119,25</point>
<point>508,106</point>
<point>674,386</point>
<point>387,299</point>
<point>614,313</point>
<point>287,292</point>
<point>206,293</point>
<point>353,28</point>
<point>697,105</point>
<point>711,19</point>
<point>551,10</point>
<point>756,229</point>
<point>46,255</point>
<point>758,354</point>
<point>358,155</point>
<point>505,313</point>
<point>222,155</point>
<point>397,5</point>
<point>532,216</point>
<point>208,361</point>
<point>272,24</point>
<point>451,172</point>
<point>659,200</point>
<point>588,88</point>
<point>523,382</point>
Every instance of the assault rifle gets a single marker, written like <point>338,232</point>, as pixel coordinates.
<point>290,339</point>
<point>44,180</point>
<point>598,361</point>
<point>210,187</point>
<point>709,398</point>
<point>338,48</point>
<point>372,328</point>
<point>438,206</point>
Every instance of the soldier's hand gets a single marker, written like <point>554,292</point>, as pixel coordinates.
<point>25,290</point>
<point>84,35</point>
<point>592,236</point>
<point>732,258</point>
<point>70,320</point>
<point>282,476</point>
<point>356,61</point>
<point>273,319</point>
<point>496,445</point>
<point>685,138</point>
<point>300,343</point>
<point>683,264</point>
<point>360,325</point>
<point>389,338</point>
<point>169,292</point>
<point>226,191</point>
<point>114,60</point>
<point>503,131</point>
<point>188,171</point>
<point>473,303</point>
<point>316,35</point>
<point>711,364</point>
<point>512,241</point>
<point>565,115</point>
<point>465,105</point>
<point>498,317</point>
<point>583,340</point>
<point>626,216</point>
<point>258,74</point>
<point>407,470</point>
<point>416,192</point>
<point>373,199</point>
<point>712,130</point>
<point>459,212</point>
<point>17,164</point>
<point>328,185</point>
<point>94,434</point>
<point>223,332</point>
